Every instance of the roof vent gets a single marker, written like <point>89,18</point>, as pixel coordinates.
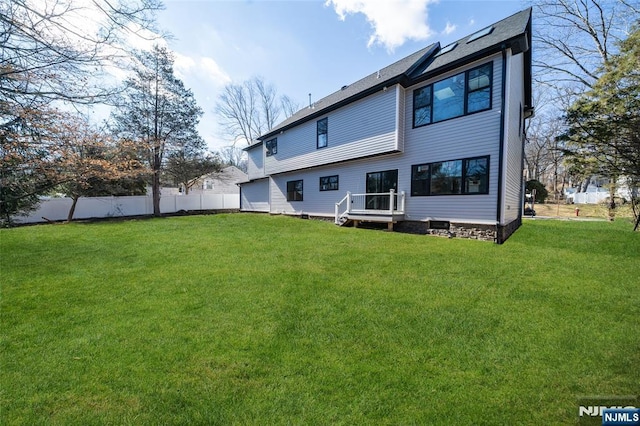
<point>483,32</point>
<point>344,87</point>
<point>378,75</point>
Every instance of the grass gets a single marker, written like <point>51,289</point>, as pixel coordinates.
<point>601,210</point>
<point>251,319</point>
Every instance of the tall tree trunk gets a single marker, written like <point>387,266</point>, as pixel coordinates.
<point>612,199</point>
<point>156,182</point>
<point>72,210</point>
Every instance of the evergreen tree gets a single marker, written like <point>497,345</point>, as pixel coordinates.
<point>604,124</point>
<point>158,113</point>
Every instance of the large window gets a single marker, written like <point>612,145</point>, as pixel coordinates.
<point>323,133</point>
<point>466,176</point>
<point>479,89</point>
<point>476,175</point>
<point>422,106</point>
<point>272,146</point>
<point>329,183</point>
<point>458,95</point>
<point>448,98</point>
<point>446,177</point>
<point>294,190</point>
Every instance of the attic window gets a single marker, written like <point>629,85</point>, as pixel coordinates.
<point>448,48</point>
<point>480,34</point>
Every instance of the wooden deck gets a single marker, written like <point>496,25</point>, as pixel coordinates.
<point>373,216</point>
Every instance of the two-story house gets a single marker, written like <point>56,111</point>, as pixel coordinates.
<point>432,143</point>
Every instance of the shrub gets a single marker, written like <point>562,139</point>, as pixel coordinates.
<point>541,191</point>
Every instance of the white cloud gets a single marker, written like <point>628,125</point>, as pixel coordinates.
<point>449,28</point>
<point>202,68</point>
<point>393,21</point>
<point>214,71</point>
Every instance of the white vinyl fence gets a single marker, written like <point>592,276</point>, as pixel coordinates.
<point>100,207</point>
<point>590,197</point>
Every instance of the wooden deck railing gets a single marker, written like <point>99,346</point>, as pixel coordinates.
<point>385,203</point>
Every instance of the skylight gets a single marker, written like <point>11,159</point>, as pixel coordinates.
<point>483,32</point>
<point>447,49</point>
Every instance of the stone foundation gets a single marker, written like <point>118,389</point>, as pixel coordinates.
<point>498,234</point>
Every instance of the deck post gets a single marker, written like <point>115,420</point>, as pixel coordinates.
<point>402,201</point>
<point>337,214</point>
<point>348,201</point>
<point>391,201</point>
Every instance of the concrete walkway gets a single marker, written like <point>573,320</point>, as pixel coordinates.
<point>577,218</point>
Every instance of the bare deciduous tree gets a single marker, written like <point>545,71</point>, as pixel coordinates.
<point>573,39</point>
<point>233,156</point>
<point>55,52</point>
<point>53,49</point>
<point>250,109</point>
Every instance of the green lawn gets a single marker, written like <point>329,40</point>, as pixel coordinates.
<point>253,319</point>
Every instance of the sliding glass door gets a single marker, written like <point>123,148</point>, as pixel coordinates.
<point>381,182</point>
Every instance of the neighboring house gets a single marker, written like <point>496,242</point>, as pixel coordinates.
<point>222,182</point>
<point>432,143</point>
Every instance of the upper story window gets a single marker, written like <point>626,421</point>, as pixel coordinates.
<point>422,106</point>
<point>466,176</point>
<point>323,133</point>
<point>272,146</point>
<point>455,96</point>
<point>479,89</point>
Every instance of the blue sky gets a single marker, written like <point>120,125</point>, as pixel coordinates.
<point>307,46</point>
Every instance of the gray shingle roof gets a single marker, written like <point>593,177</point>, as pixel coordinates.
<point>513,32</point>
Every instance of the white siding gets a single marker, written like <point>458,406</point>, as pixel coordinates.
<point>255,162</point>
<point>254,196</point>
<point>514,140</point>
<point>363,128</point>
<point>352,176</point>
